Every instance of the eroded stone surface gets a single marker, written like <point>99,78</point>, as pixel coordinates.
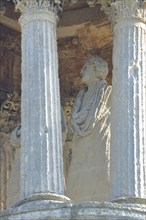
<point>128,121</point>
<point>88,176</point>
<point>6,162</point>
<point>75,211</point>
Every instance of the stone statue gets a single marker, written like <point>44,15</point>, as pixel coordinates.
<point>90,126</point>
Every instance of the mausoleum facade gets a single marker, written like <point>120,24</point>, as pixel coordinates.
<point>44,48</point>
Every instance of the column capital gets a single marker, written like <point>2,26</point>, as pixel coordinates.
<point>119,10</point>
<point>28,6</point>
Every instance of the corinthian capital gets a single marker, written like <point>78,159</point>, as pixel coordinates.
<point>27,6</point>
<point>118,10</point>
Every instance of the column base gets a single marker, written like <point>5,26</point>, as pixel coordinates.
<point>42,197</point>
<point>54,210</point>
<point>130,200</point>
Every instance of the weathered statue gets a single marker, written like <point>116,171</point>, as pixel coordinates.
<point>89,123</point>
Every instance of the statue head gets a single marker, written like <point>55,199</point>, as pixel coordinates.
<point>100,66</point>
<point>94,68</point>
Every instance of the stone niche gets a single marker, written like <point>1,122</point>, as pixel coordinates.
<point>87,31</point>
<point>82,30</point>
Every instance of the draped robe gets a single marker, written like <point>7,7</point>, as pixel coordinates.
<point>88,177</point>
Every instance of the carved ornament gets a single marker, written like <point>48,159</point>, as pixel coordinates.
<point>118,10</point>
<point>67,107</point>
<point>10,113</point>
<point>27,6</point>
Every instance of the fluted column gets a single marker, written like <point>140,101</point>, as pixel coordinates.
<point>128,123</point>
<point>41,142</point>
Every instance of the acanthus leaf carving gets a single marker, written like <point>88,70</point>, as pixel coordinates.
<point>27,6</point>
<point>118,10</point>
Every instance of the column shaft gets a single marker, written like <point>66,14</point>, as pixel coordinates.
<point>41,144</point>
<point>128,125</point>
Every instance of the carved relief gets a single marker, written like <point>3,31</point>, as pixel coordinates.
<point>26,6</point>
<point>67,106</point>
<point>10,113</point>
<point>124,9</point>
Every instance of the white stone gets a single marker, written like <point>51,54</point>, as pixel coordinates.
<point>75,211</point>
<point>89,122</point>
<point>15,137</point>
<point>41,140</point>
<point>128,121</point>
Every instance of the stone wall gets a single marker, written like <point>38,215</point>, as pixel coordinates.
<point>10,60</point>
